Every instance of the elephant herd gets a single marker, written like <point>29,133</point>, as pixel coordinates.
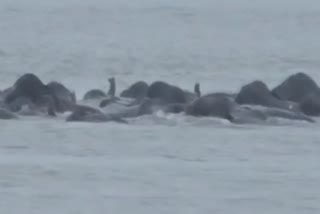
<point>296,98</point>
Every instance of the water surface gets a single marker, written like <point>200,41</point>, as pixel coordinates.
<point>161,163</point>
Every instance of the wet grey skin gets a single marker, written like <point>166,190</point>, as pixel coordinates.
<point>89,114</point>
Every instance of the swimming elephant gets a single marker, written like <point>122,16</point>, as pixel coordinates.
<point>89,114</point>
<point>295,87</point>
<point>98,94</point>
<point>29,89</point>
<point>66,99</point>
<point>310,104</point>
<point>166,92</point>
<point>223,106</point>
<point>214,105</point>
<point>257,93</point>
<point>163,97</point>
<point>193,104</point>
<point>137,90</point>
<point>29,86</point>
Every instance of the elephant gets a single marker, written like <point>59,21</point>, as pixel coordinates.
<point>90,114</point>
<point>66,99</point>
<point>223,106</point>
<point>295,87</point>
<point>137,90</point>
<point>166,92</point>
<point>29,90</point>
<point>257,93</point>
<point>310,104</point>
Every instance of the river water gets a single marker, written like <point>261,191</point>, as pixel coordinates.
<point>160,163</point>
